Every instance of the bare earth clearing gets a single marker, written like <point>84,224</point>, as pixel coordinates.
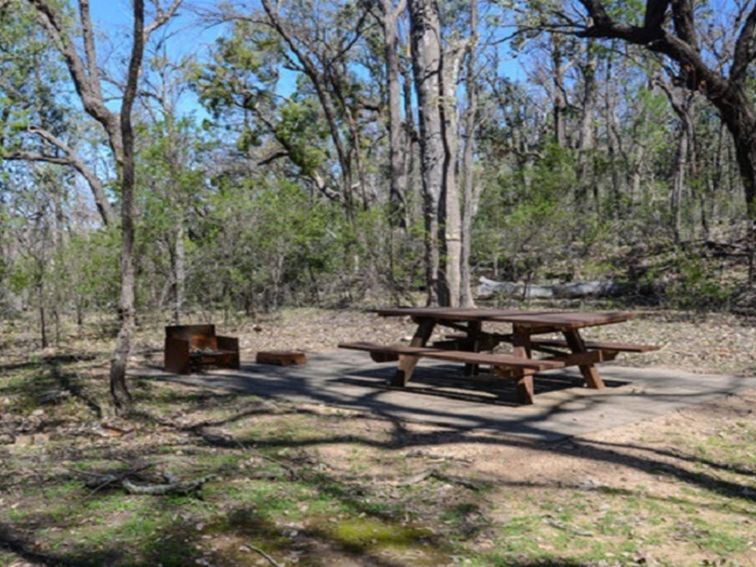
<point>314,485</point>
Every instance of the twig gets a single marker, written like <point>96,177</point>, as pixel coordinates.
<point>110,479</point>
<point>265,555</point>
<point>469,484</point>
<point>438,475</point>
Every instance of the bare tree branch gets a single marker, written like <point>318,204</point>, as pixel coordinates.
<point>98,190</point>
<point>89,47</point>
<point>90,96</point>
<point>744,49</point>
<point>161,17</point>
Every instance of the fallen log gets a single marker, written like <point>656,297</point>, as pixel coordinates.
<point>173,487</point>
<point>573,290</point>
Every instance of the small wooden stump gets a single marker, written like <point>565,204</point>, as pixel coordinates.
<point>281,357</point>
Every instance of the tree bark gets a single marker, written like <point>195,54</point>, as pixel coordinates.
<point>682,105</point>
<point>427,66</point>
<point>450,220</point>
<point>397,141</point>
<point>560,102</point>
<point>179,272</point>
<point>585,133</point>
<point>118,388</point>
<point>470,193</point>
<point>613,148</point>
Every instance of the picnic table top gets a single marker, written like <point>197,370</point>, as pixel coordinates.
<point>557,319</point>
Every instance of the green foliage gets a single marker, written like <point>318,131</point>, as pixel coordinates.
<point>261,240</point>
<point>301,132</point>
<point>92,272</point>
<point>527,222</point>
<point>695,286</point>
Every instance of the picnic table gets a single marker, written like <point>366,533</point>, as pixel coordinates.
<point>469,340</point>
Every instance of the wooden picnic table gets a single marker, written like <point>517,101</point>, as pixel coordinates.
<point>470,339</point>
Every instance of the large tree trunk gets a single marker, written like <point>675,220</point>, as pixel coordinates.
<point>413,194</point>
<point>427,67</point>
<point>678,183</point>
<point>613,147</point>
<point>470,193</point>
<point>560,103</point>
<point>397,142</point>
<point>682,103</point>
<point>450,220</point>
<point>585,133</point>
<point>118,388</point>
<point>741,123</point>
<point>738,117</point>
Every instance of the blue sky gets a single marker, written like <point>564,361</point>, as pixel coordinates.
<point>189,37</point>
<point>113,18</point>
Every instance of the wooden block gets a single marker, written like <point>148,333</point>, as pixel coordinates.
<point>281,357</point>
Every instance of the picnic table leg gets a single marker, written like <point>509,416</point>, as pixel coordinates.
<point>407,363</point>
<point>589,371</point>
<point>473,335</point>
<point>523,382</point>
<point>524,376</point>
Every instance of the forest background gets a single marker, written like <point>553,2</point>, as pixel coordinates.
<point>177,160</point>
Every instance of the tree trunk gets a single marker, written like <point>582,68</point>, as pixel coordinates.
<point>58,268</point>
<point>118,388</point>
<point>450,220</point>
<point>409,161</point>
<point>678,183</point>
<point>741,123</point>
<point>42,316</point>
<point>613,146</point>
<point>585,134</point>
<point>560,104</point>
<point>470,194</point>
<point>179,273</point>
<point>397,145</point>
<point>427,67</point>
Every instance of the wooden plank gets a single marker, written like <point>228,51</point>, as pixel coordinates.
<point>449,313</point>
<point>585,358</point>
<point>564,320</point>
<point>457,356</point>
<point>281,357</point>
<point>601,345</point>
<point>545,319</point>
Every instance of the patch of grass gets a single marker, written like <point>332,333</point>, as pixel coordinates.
<point>270,499</point>
<point>718,539</point>
<point>112,503</point>
<point>361,534</point>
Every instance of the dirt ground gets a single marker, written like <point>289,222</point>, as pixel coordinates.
<point>305,484</point>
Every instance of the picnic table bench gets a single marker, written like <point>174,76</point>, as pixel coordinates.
<point>469,340</point>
